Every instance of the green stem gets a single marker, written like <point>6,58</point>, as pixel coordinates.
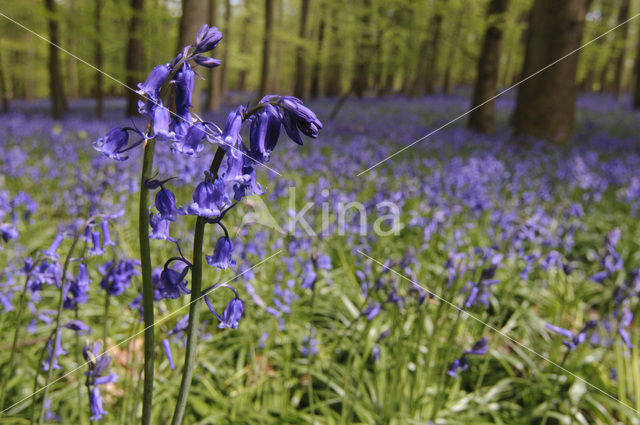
<point>80,384</point>
<point>16,336</point>
<point>105,318</point>
<point>56,335</point>
<point>309,346</point>
<point>194,307</point>
<point>554,390</point>
<point>34,393</point>
<point>147,284</point>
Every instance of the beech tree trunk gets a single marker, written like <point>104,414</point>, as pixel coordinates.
<point>621,43</point>
<point>636,90</point>
<point>481,118</point>
<point>134,56</point>
<point>317,64</point>
<point>194,15</point>
<point>361,69</point>
<point>545,106</point>
<point>266,47</point>
<point>71,61</point>
<point>99,58</point>
<point>4,92</point>
<point>241,83</point>
<point>225,50</point>
<point>431,75</point>
<point>300,86</point>
<point>213,84</point>
<point>56,87</point>
<point>333,82</point>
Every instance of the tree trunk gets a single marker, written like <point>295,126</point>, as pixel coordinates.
<point>241,83</point>
<point>431,74</point>
<point>266,47</point>
<point>361,69</point>
<point>225,52</point>
<point>317,64</point>
<point>636,90</point>
<point>621,43</point>
<point>481,118</point>
<point>58,101</point>
<point>71,61</point>
<point>194,15</point>
<point>99,58</point>
<point>213,85</point>
<point>300,86</point>
<point>333,81</point>
<point>545,106</point>
<point>4,93</point>
<point>134,55</point>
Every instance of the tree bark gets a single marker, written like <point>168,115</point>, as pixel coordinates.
<point>333,83</point>
<point>134,56</point>
<point>224,85</point>
<point>213,85</point>
<point>300,86</point>
<point>56,88</point>
<point>545,105</point>
<point>636,90</point>
<point>71,61</point>
<point>241,83</point>
<point>481,118</point>
<point>431,75</point>
<point>621,43</point>
<point>99,57</point>
<point>194,15</point>
<point>317,64</point>
<point>266,47</point>
<point>361,69</point>
<point>4,93</point>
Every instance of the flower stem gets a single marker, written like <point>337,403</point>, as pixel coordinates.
<point>80,383</point>
<point>56,334</point>
<point>147,284</point>
<point>105,319</point>
<point>194,308</point>
<point>16,336</point>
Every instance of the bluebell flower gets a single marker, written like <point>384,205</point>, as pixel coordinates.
<point>161,122</point>
<point>96,248</point>
<point>51,251</point>
<point>173,283</point>
<point>221,257</point>
<point>231,132</point>
<point>8,232</point>
<point>117,276</point>
<point>151,87</point>
<point>296,117</point>
<point>206,61</point>
<point>191,143</point>
<point>184,90</point>
<point>99,373</point>
<point>167,351</point>
<point>49,415</point>
<point>52,358</point>
<point>159,228</point>
<point>309,276</point>
<point>113,144</point>
<point>209,199</point>
<point>77,326</point>
<point>207,39</point>
<point>106,234</point>
<point>78,289</point>
<point>231,315</point>
<point>306,343</point>
<point>165,202</point>
<point>264,134</point>
<point>479,348</point>
<point>572,341</point>
<point>372,310</point>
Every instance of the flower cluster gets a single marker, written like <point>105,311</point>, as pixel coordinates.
<point>99,373</point>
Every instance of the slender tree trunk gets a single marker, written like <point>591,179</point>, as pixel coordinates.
<point>266,47</point>
<point>213,85</point>
<point>135,58</point>
<point>300,87</point>
<point>434,53</point>
<point>621,43</point>
<point>224,85</point>
<point>30,78</point>
<point>545,106</point>
<point>481,118</point>
<point>71,43</point>
<point>333,85</point>
<point>317,64</point>
<point>99,57</point>
<point>636,90</point>
<point>241,84</point>
<point>56,88</point>
<point>361,69</point>
<point>194,15</point>
<point>4,93</point>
